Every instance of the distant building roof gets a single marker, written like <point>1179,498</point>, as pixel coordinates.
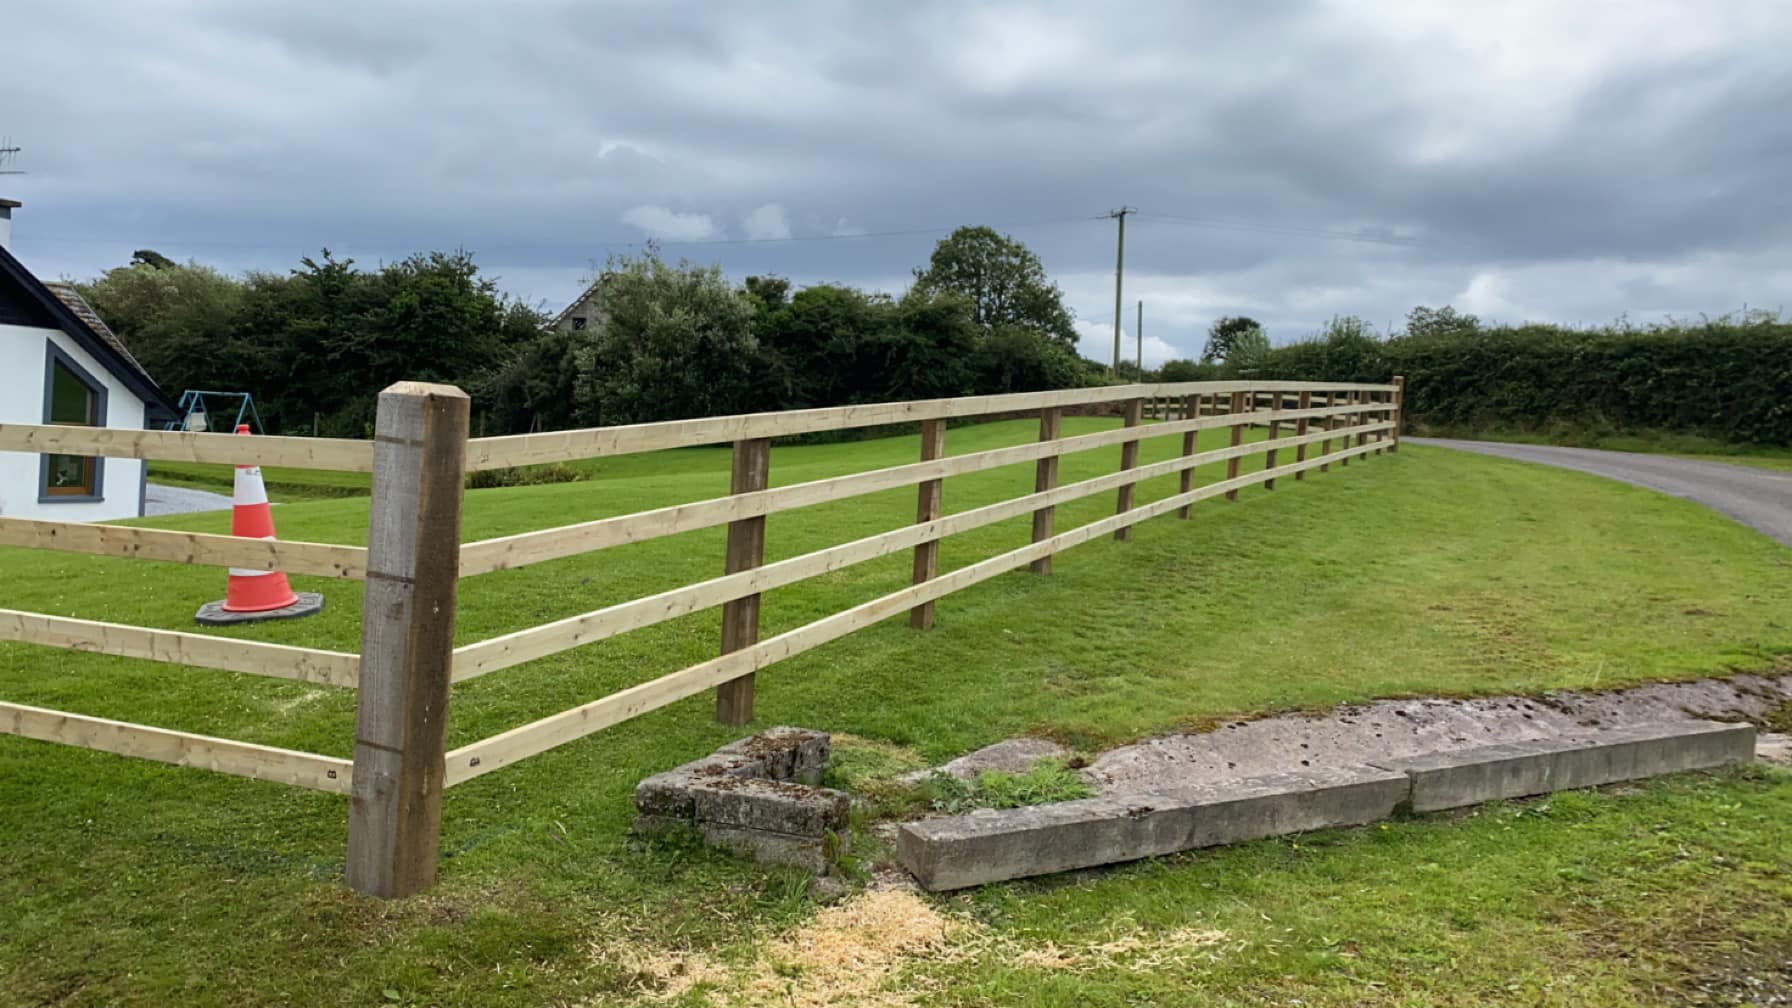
<point>562,320</point>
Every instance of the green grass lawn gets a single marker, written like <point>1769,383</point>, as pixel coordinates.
<point>284,484</point>
<point>1428,571</point>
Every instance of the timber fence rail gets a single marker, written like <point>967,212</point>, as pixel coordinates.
<point>414,559</point>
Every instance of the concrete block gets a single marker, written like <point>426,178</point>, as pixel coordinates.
<point>777,806</point>
<point>993,845</point>
<point>669,793</point>
<point>1447,780</point>
<point>785,751</point>
<point>768,847</point>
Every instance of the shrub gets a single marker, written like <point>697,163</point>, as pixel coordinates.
<point>1723,378</point>
<point>555,472</point>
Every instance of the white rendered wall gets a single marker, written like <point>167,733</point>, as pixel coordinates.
<point>22,359</point>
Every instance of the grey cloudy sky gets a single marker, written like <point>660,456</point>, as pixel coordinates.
<point>1552,161</point>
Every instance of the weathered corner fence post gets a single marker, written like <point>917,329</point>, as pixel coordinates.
<point>746,550</point>
<point>407,638</point>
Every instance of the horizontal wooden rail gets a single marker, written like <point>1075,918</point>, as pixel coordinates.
<point>527,548</point>
<point>477,659</point>
<point>181,446</point>
<point>323,559</point>
<point>597,442</point>
<point>478,758</point>
<point>242,759</point>
<point>279,661</point>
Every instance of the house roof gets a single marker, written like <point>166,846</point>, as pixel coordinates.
<point>68,295</point>
<point>579,302</point>
<point>60,306</point>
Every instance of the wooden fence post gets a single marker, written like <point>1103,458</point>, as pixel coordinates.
<point>1045,478</point>
<point>1236,410</point>
<point>1129,459</point>
<point>1379,415</point>
<point>1304,402</point>
<point>1362,418</point>
<point>1276,399</point>
<point>928,507</point>
<point>407,638</point>
<point>1347,421</point>
<point>1325,446</point>
<point>1394,414</point>
<point>746,550</point>
<point>1191,408</point>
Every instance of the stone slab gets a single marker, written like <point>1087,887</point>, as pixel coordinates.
<point>778,806</point>
<point>995,845</point>
<point>304,604</point>
<point>1452,779</point>
<point>1015,756</point>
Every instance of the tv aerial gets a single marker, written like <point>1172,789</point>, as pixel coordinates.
<point>7,153</point>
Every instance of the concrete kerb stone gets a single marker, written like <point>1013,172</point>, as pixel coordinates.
<point>994,845</point>
<point>1447,780</point>
<point>990,846</point>
<point>757,796</point>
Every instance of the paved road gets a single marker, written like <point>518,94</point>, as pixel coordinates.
<point>1758,498</point>
<point>167,500</point>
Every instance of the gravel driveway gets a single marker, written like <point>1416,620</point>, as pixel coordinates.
<point>167,500</point>
<point>1758,498</point>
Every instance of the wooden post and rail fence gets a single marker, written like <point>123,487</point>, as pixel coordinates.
<point>414,559</point>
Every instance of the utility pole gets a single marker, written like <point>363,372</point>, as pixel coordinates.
<point>1119,267</point>
<point>1139,334</point>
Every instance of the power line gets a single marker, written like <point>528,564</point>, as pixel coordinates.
<point>1285,229</point>
<point>599,243</point>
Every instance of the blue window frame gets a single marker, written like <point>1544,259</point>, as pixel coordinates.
<point>71,396</point>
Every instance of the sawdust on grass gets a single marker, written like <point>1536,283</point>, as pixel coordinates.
<point>858,953</point>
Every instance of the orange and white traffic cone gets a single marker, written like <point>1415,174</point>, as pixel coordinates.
<point>255,594</point>
<point>251,517</point>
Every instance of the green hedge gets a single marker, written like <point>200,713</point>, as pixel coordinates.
<point>1723,379</point>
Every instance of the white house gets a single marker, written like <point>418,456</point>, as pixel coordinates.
<point>60,364</point>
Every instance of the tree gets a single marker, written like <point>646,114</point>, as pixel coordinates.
<point>676,342</point>
<point>173,317</point>
<point>1013,359</point>
<point>1182,370</point>
<point>1003,280</point>
<point>1248,350</point>
<point>150,257</point>
<point>1224,334</point>
<point>1423,322</point>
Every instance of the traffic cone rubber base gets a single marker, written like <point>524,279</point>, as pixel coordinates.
<point>214,613</point>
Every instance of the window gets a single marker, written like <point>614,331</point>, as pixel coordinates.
<point>578,322</point>
<point>72,397</point>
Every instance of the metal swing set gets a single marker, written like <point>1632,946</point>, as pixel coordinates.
<point>196,413</point>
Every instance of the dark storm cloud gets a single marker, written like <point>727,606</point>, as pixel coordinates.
<point>1571,162</point>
